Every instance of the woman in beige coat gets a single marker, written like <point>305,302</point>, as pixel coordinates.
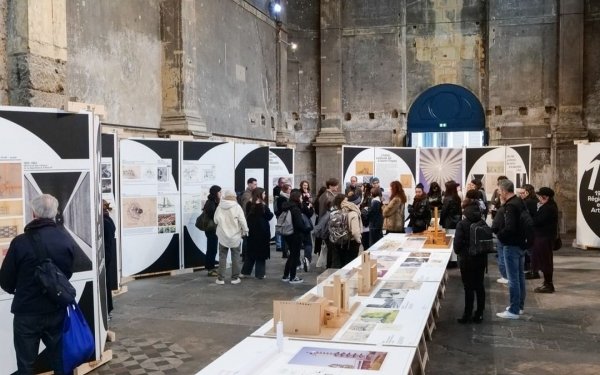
<point>393,212</point>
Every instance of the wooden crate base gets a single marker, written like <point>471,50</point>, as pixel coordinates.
<point>106,356</point>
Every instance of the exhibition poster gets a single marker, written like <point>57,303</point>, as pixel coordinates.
<point>357,161</point>
<point>588,195</point>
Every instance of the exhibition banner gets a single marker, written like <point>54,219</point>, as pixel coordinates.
<point>588,195</point>
<point>150,206</point>
<point>281,165</point>
<point>37,157</point>
<point>109,182</point>
<point>486,164</point>
<point>440,165</point>
<point>203,165</point>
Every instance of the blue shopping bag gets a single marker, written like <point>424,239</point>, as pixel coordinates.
<point>78,341</point>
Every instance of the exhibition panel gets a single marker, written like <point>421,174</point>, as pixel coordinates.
<point>37,157</point>
<point>150,206</point>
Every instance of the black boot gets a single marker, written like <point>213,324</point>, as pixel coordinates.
<point>466,318</point>
<point>285,254</point>
<point>478,317</point>
<point>545,288</point>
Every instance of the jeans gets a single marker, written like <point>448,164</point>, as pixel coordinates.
<point>28,330</point>
<point>514,258</point>
<point>501,263</point>
<point>212,242</point>
<point>259,266</point>
<point>235,261</point>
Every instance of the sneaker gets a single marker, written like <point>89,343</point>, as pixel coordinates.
<point>546,288</point>
<point>285,279</point>
<point>237,280</point>
<point>213,273</point>
<point>507,315</point>
<point>243,276</point>
<point>296,280</point>
<point>260,277</point>
<point>306,264</point>
<point>502,280</point>
<point>220,281</point>
<point>521,312</point>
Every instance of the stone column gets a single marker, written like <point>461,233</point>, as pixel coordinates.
<point>331,137</point>
<point>37,52</point>
<point>177,19</point>
<point>283,135</point>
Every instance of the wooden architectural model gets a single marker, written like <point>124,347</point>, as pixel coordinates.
<point>367,274</point>
<point>313,315</point>
<point>436,236</point>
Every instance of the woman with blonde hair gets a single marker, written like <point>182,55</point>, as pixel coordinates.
<point>393,212</point>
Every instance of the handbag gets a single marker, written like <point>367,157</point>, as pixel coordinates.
<point>557,243</point>
<point>308,225</point>
<point>78,341</point>
<point>205,223</point>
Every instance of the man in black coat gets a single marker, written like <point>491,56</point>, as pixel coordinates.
<point>545,224</point>
<point>35,315</point>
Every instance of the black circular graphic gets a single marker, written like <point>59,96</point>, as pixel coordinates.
<point>589,195</point>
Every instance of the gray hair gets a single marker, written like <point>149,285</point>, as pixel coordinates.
<point>506,185</point>
<point>44,206</point>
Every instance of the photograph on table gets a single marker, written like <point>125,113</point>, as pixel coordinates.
<point>347,359</point>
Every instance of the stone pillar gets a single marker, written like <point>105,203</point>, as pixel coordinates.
<point>283,135</point>
<point>177,19</point>
<point>331,137</point>
<point>37,52</point>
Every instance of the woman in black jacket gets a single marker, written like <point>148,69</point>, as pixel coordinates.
<point>434,197</point>
<point>259,235</point>
<point>545,225</point>
<point>451,212</point>
<point>472,267</point>
<point>214,197</point>
<point>294,240</point>
<point>375,215</point>
<point>420,214</point>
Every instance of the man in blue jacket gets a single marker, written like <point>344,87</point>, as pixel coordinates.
<point>512,239</point>
<point>35,315</point>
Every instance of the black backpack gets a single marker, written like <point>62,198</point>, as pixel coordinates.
<point>481,239</point>
<point>52,280</point>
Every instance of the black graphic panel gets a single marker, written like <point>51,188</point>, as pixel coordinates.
<point>192,255</point>
<point>169,260</point>
<point>195,150</point>
<point>349,153</point>
<point>66,133</point>
<point>409,155</point>
<point>257,158</point>
<point>287,157</point>
<point>76,211</point>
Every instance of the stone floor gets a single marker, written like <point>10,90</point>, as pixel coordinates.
<point>179,324</point>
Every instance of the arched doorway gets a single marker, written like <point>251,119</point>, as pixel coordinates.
<point>446,115</point>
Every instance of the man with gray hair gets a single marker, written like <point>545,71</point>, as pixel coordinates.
<point>35,315</point>
<point>512,239</point>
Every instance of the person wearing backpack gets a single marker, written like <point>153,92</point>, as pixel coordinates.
<point>545,224</point>
<point>471,264</point>
<point>293,241</point>
<point>212,242</point>
<point>338,232</point>
<point>513,236</point>
<point>350,249</point>
<point>284,196</point>
<point>36,316</point>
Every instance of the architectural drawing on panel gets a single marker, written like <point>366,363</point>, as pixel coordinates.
<point>191,173</point>
<point>11,180</point>
<point>162,174</point>
<point>131,172</point>
<point>139,212</point>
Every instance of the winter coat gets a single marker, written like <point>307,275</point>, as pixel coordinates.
<point>18,268</point>
<point>231,222</point>
<point>451,213</point>
<point>259,236</point>
<point>375,214</point>
<point>545,221</point>
<point>393,214</point>
<point>297,221</point>
<point>326,197</point>
<point>281,199</point>
<point>210,206</point>
<point>321,229</point>
<point>245,198</point>
<point>354,220</point>
<point>509,232</point>
<point>532,205</point>
<point>434,200</point>
<point>110,252</point>
<point>420,215</point>
<point>472,214</point>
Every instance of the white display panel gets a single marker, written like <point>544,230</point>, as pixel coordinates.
<point>359,162</point>
<point>150,206</point>
<point>260,356</point>
<point>203,165</point>
<point>281,164</point>
<point>67,168</point>
<point>588,195</point>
